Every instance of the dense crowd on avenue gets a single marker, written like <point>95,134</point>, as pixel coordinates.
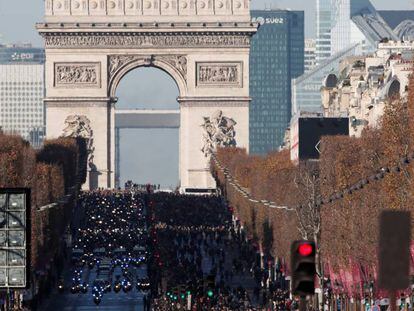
<point>167,251</point>
<point>110,248</point>
<point>202,259</point>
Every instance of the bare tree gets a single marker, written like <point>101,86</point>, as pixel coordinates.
<point>307,182</point>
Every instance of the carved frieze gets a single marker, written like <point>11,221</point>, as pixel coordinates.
<point>177,61</point>
<point>77,75</point>
<point>118,61</point>
<point>218,74</point>
<point>122,40</point>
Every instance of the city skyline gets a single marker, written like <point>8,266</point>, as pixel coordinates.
<point>11,13</point>
<point>174,154</point>
<point>138,86</point>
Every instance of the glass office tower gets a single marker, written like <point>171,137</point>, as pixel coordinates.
<point>276,57</point>
<point>323,29</point>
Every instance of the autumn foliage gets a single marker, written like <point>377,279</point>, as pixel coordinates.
<point>51,172</point>
<point>349,227</point>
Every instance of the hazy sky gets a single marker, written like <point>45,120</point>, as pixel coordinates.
<point>17,17</point>
<point>147,155</point>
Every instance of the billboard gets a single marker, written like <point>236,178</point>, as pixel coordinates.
<point>21,55</point>
<point>306,134</point>
<point>14,237</point>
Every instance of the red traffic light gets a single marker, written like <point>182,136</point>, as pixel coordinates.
<point>305,249</point>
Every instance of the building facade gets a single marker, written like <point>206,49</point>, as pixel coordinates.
<point>306,95</point>
<point>276,57</point>
<point>310,54</point>
<point>367,83</point>
<point>22,92</point>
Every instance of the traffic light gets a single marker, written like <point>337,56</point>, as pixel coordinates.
<point>173,294</point>
<point>209,285</point>
<point>303,268</point>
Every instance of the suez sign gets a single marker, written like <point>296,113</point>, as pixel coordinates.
<point>268,20</point>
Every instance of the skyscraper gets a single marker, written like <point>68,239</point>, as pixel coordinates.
<point>357,21</point>
<point>22,91</point>
<point>310,54</point>
<point>276,57</point>
<point>323,29</point>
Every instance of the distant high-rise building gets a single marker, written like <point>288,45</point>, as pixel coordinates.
<point>357,21</point>
<point>341,23</point>
<point>402,22</point>
<point>323,29</point>
<point>22,92</point>
<point>276,57</point>
<point>356,28</point>
<point>310,54</point>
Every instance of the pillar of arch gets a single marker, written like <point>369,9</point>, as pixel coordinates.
<point>203,45</point>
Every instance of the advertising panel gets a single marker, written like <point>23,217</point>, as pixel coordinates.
<point>306,134</point>
<point>21,55</point>
<point>14,237</point>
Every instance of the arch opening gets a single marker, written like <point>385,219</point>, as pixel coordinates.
<point>158,63</point>
<point>394,88</point>
<point>147,128</point>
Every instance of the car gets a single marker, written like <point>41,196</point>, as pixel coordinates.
<point>99,252</point>
<point>105,265</point>
<point>120,252</point>
<point>143,284</point>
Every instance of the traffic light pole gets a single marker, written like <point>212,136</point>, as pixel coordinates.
<point>393,301</point>
<point>302,303</point>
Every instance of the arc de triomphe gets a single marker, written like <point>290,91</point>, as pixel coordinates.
<point>203,44</point>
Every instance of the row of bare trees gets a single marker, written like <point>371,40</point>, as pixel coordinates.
<point>345,230</point>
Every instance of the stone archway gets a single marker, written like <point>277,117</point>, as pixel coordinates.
<point>92,44</point>
<point>174,65</point>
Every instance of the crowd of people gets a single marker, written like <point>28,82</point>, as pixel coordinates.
<point>204,260</point>
<point>197,255</point>
<point>110,247</point>
<point>129,185</point>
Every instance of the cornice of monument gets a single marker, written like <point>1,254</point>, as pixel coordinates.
<point>148,27</point>
<point>79,99</point>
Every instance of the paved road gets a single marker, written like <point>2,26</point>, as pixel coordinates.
<point>111,301</point>
<point>130,301</point>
